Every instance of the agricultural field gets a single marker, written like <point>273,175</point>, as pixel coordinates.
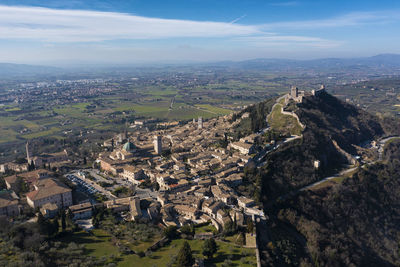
<point>20,121</point>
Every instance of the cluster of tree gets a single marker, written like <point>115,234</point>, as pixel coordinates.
<point>257,119</point>
<point>123,191</point>
<point>35,244</point>
<point>149,184</point>
<point>48,227</point>
<point>185,255</point>
<point>188,229</point>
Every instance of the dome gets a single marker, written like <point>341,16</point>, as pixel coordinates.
<point>128,146</point>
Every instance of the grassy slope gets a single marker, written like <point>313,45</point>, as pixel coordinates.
<point>282,122</point>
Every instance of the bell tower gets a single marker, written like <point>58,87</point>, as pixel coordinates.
<point>294,92</point>
<point>28,153</point>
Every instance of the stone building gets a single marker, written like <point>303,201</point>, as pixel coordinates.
<point>81,211</point>
<point>49,191</point>
<point>133,174</point>
<point>157,144</point>
<point>8,203</point>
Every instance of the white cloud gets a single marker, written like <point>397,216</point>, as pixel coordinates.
<point>54,25</point>
<point>78,34</point>
<point>278,40</point>
<point>348,20</point>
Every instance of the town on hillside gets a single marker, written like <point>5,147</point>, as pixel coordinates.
<point>178,174</point>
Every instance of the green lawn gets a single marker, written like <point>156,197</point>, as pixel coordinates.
<point>205,229</point>
<point>97,243</point>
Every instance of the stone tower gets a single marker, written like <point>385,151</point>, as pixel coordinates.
<point>294,92</point>
<point>200,123</point>
<point>28,153</point>
<point>157,144</point>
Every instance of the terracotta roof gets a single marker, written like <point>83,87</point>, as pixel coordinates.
<point>29,177</point>
<point>130,168</point>
<point>6,199</point>
<point>48,187</point>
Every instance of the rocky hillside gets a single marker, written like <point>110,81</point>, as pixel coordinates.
<point>352,223</point>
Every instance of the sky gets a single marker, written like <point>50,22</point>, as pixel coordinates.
<point>64,32</point>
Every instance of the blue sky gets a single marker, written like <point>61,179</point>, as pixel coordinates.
<point>136,31</point>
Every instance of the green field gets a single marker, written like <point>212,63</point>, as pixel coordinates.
<point>48,122</point>
<point>214,109</point>
<point>97,243</point>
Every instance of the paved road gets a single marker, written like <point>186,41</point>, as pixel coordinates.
<point>342,173</point>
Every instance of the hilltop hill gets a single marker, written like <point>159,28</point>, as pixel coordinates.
<point>329,121</point>
<point>350,224</point>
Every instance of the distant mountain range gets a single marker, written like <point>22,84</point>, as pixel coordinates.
<point>391,61</point>
<point>383,62</point>
<point>10,69</point>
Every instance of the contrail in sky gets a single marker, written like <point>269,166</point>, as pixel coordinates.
<point>239,18</point>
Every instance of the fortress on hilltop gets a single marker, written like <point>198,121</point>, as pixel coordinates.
<point>297,96</point>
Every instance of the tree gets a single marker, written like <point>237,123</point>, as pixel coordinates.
<point>33,165</point>
<point>241,239</point>
<point>20,186</point>
<point>209,248</point>
<point>250,226</point>
<point>63,222</point>
<point>2,184</point>
<point>70,219</point>
<point>187,229</point>
<point>229,228</point>
<point>42,223</point>
<point>170,232</point>
<point>55,227</point>
<point>47,227</point>
<point>30,167</point>
<point>185,257</point>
